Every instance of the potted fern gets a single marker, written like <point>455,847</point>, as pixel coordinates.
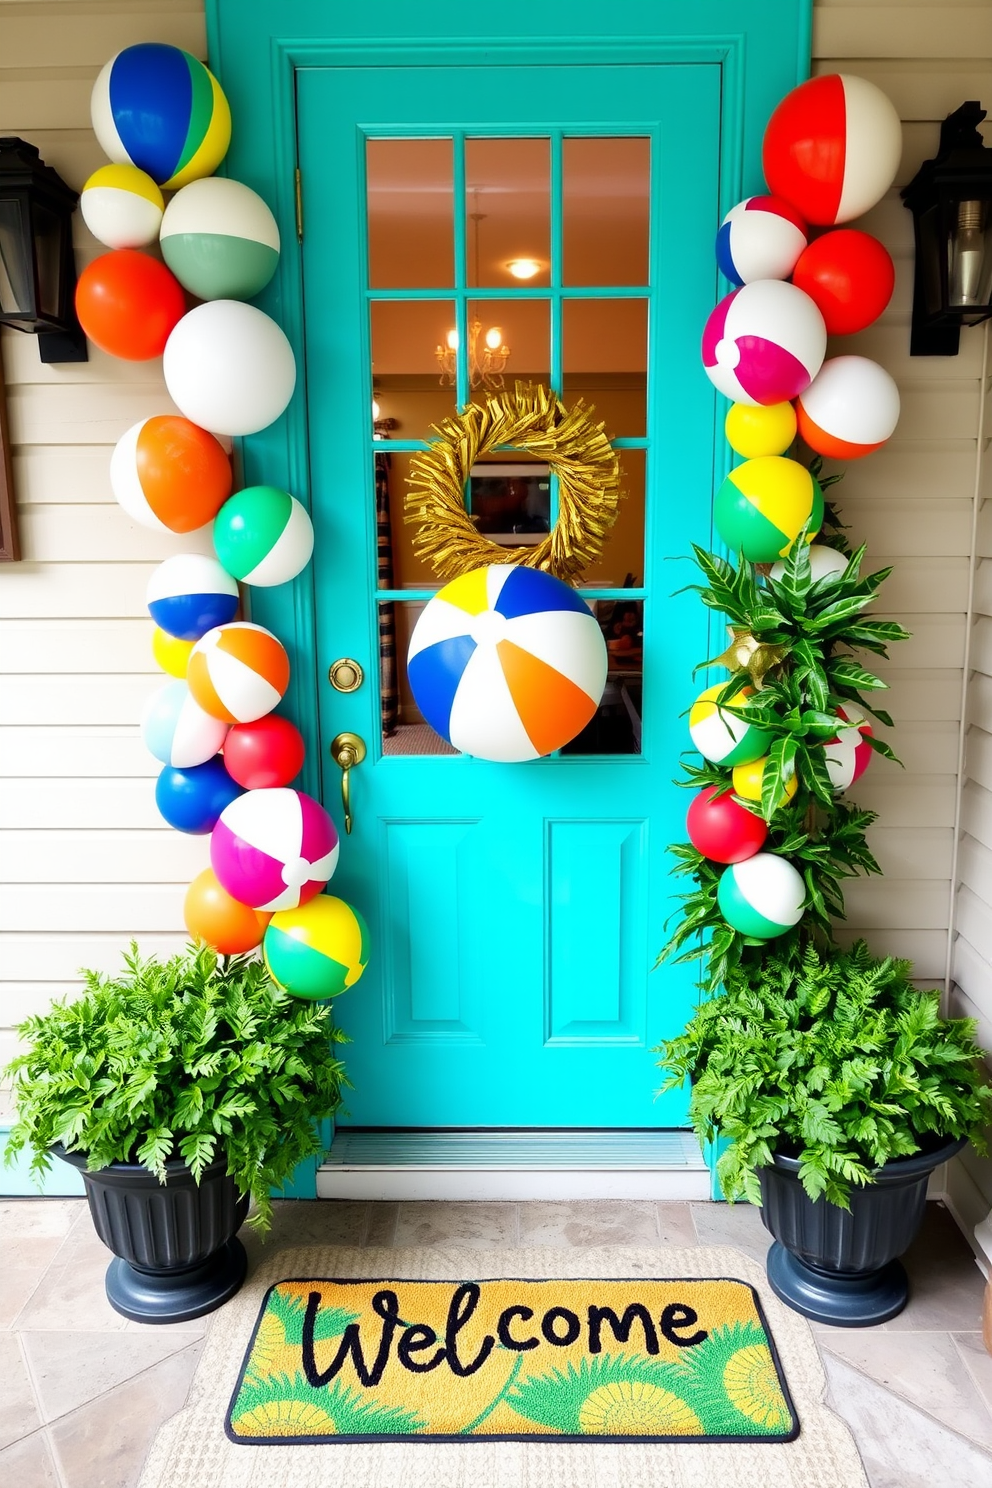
<point>834,1087</point>
<point>182,1090</point>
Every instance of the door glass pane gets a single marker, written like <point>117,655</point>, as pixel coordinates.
<point>403,728</point>
<point>604,351</point>
<point>508,211</point>
<point>616,728</point>
<point>408,382</point>
<point>605,202</point>
<point>508,340</point>
<point>621,563</point>
<point>410,213</point>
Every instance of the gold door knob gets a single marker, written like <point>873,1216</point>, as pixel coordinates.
<point>347,751</point>
<point>345,674</point>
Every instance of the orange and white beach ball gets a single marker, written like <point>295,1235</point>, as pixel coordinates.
<point>238,672</point>
<point>849,409</point>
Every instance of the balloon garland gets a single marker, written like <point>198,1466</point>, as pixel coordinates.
<point>228,760</point>
<point>533,419</point>
<point>831,150</point>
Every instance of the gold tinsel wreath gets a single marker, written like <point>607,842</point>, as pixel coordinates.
<point>530,418</point>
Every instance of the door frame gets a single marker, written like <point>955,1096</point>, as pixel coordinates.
<point>762,48</point>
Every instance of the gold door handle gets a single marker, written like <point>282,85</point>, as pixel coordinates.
<point>347,751</point>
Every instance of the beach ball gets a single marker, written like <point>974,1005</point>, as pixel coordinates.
<point>274,849</point>
<point>764,504</point>
<point>192,799</point>
<point>211,915</point>
<point>170,475</point>
<point>720,736</point>
<point>823,561</point>
<point>177,731</point>
<point>832,148</point>
<point>762,897</point>
<point>764,343</point>
<point>264,753</point>
<point>128,304</point>
<point>229,368</point>
<point>760,238</point>
<point>220,240</point>
<point>171,654</point>
<point>318,950</point>
<point>189,594</point>
<point>157,107</point>
<point>723,830</point>
<point>507,663</point>
<point>848,755</point>
<point>122,206</point>
<point>849,277</point>
<point>749,780</point>
<point>263,536</point>
<point>238,672</point>
<point>850,409</point>
<point>753,431</point>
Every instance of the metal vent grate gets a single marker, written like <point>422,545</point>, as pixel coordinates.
<point>548,1151</point>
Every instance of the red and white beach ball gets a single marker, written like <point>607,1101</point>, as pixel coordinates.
<point>274,849</point>
<point>761,238</point>
<point>832,148</point>
<point>764,343</point>
<point>238,672</point>
<point>850,408</point>
<point>848,756</point>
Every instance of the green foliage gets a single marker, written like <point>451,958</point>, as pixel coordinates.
<point>833,1058</point>
<point>190,1059</point>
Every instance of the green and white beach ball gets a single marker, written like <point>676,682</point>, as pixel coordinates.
<point>721,737</point>
<point>761,897</point>
<point>220,240</point>
<point>263,536</point>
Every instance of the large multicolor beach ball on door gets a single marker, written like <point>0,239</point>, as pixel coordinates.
<point>238,672</point>
<point>849,754</point>
<point>122,206</point>
<point>507,663</point>
<point>211,915</point>
<point>156,107</point>
<point>170,475</point>
<point>723,830</point>
<point>850,409</point>
<point>760,238</point>
<point>719,735</point>
<point>229,368</point>
<point>832,148</point>
<point>318,950</point>
<point>263,536</point>
<point>220,240</point>
<point>764,504</point>
<point>176,730</point>
<point>189,594</point>
<point>762,897</point>
<point>274,849</point>
<point>764,343</point>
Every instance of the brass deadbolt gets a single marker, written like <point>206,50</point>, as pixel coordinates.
<point>345,675</point>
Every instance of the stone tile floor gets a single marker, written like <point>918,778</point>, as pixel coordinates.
<point>84,1391</point>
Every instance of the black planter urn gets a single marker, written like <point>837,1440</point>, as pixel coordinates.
<point>840,1266</point>
<point>176,1252</point>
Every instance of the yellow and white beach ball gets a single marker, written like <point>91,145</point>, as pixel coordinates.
<point>122,206</point>
<point>719,735</point>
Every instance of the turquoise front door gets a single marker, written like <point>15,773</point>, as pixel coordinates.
<point>464,224</point>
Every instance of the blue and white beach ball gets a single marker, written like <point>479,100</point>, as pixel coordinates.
<point>156,107</point>
<point>177,731</point>
<point>761,897</point>
<point>189,594</point>
<point>507,663</point>
<point>761,238</point>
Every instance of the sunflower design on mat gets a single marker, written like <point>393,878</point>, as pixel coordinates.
<point>732,1376</point>
<point>617,1395</point>
<point>278,1343</point>
<point>285,1406</point>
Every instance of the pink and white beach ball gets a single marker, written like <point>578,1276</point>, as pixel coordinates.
<point>274,848</point>
<point>764,343</point>
<point>848,755</point>
<point>761,238</point>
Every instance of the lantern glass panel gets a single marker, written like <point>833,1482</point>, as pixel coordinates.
<point>48,258</point>
<point>16,286</point>
<point>969,257</point>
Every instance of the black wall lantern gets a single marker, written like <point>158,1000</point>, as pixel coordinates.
<point>951,202</point>
<point>37,268</point>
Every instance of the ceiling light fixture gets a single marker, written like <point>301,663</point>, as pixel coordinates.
<point>487,361</point>
<point>524,268</point>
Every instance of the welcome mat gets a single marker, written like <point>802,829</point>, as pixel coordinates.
<point>509,1359</point>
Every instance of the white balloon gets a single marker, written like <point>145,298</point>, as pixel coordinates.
<point>229,368</point>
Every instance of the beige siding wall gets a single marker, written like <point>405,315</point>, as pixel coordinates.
<point>84,859</point>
